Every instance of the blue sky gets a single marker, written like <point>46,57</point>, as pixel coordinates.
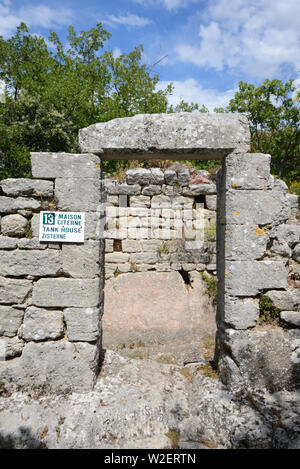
<point>209,45</point>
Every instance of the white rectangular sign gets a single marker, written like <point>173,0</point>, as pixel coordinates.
<point>62,227</point>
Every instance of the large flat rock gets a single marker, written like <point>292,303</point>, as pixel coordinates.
<point>198,136</point>
<point>156,307</point>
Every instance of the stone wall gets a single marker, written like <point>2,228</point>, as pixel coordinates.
<point>257,251</point>
<point>50,293</point>
<point>160,221</point>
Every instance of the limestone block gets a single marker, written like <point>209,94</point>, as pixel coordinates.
<point>10,320</point>
<point>280,248</point>
<point>14,291</point>
<point>211,202</point>
<point>248,278</point>
<point>289,233</point>
<point>64,165</point>
<point>296,253</point>
<point>285,300</point>
<point>152,190</point>
<point>144,258</point>
<point>138,176</point>
<point>238,313</point>
<point>248,171</point>
<point>32,243</point>
<point>192,133</point>
<point>140,201</point>
<point>116,188</point>
<point>13,225</point>
<point>113,200</point>
<point>12,205</point>
<point>244,242</point>
<point>156,176</point>
<point>263,358</point>
<point>255,207</point>
<point>83,324</point>
<point>182,202</point>
<point>109,245</point>
<point>78,195</point>
<point>66,292</point>
<point>117,257</point>
<point>131,245</point>
<point>161,201</point>
<point>170,177</point>
<point>55,367</point>
<point>27,187</point>
<point>10,348</point>
<point>36,263</point>
<point>292,318</point>
<point>81,261</point>
<point>200,189</point>
<point>172,190</point>
<point>183,176</point>
<point>293,200</point>
<point>150,245</point>
<point>8,243</point>
<point>41,324</point>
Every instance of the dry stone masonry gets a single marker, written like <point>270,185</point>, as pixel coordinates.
<point>51,294</point>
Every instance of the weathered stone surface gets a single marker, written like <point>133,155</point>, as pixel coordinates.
<point>116,188</point>
<point>285,300</point>
<point>10,320</point>
<point>64,165</point>
<point>8,243</point>
<point>289,233</point>
<point>27,187</point>
<point>292,318</point>
<point>149,245</point>
<point>109,245</point>
<point>280,248</point>
<point>172,190</point>
<point>157,176</point>
<point>117,257</point>
<point>41,324</point>
<point>13,291</point>
<point>131,245</point>
<point>248,171</point>
<point>170,177</point>
<point>293,200</point>
<point>161,201</point>
<point>83,324</point>
<point>66,292</point>
<point>183,176</point>
<point>81,261</point>
<point>13,225</point>
<point>195,134</point>
<point>10,348</point>
<point>144,258</point>
<point>179,202</point>
<point>31,243</point>
<point>36,263</point>
<point>248,278</point>
<point>152,190</point>
<point>12,205</point>
<point>263,358</point>
<point>200,189</point>
<point>75,195</point>
<point>113,200</point>
<point>296,253</point>
<point>211,202</point>
<point>267,207</point>
<point>244,242</point>
<point>155,306</point>
<point>238,313</point>
<point>139,176</point>
<point>140,201</point>
<point>54,367</point>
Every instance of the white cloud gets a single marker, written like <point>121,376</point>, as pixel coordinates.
<point>257,37</point>
<point>33,15</point>
<point>190,90</point>
<point>127,20</point>
<point>169,4</point>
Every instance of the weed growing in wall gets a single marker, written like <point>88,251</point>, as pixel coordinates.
<point>211,283</point>
<point>268,313</point>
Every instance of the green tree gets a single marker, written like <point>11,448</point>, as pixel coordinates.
<point>274,123</point>
<point>52,92</point>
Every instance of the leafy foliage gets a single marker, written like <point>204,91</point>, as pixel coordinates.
<point>53,91</point>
